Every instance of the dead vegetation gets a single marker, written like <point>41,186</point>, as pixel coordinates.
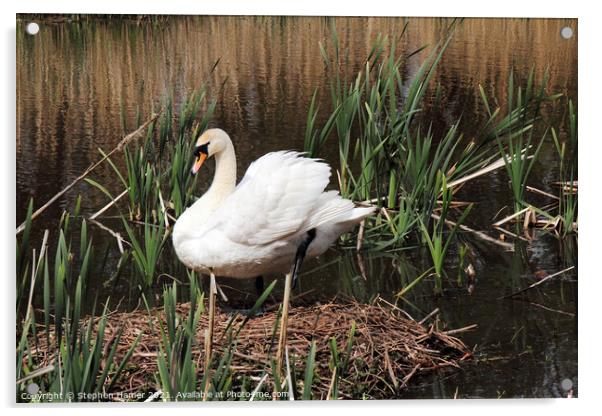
<point>388,348</point>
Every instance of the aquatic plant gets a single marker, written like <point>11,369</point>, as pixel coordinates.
<point>438,241</point>
<point>23,255</point>
<point>146,251</point>
<point>80,363</point>
<point>519,148</point>
<point>177,370</point>
<point>393,160</point>
<point>567,197</point>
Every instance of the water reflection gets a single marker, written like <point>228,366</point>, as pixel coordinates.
<point>81,82</point>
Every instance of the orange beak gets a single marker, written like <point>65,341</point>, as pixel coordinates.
<point>198,163</point>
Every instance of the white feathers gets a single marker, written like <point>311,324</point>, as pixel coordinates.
<point>257,227</point>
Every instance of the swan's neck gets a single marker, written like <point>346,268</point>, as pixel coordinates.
<point>224,182</point>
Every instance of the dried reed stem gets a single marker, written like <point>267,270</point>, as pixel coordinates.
<point>480,234</point>
<point>545,279</point>
<point>109,205</point>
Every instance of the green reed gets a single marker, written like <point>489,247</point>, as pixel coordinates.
<point>159,167</point>
<point>176,367</point>
<point>146,250</point>
<point>386,155</point>
<point>519,148</point>
<point>567,152</point>
<point>178,374</point>
<point>339,361</point>
<point>157,178</point>
<point>23,255</point>
<point>437,240</point>
<point>80,363</point>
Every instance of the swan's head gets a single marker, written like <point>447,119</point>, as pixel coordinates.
<point>210,143</point>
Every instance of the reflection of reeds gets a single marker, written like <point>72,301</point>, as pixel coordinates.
<point>115,64</point>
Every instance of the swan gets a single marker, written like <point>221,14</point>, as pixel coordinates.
<point>278,214</point>
<point>279,207</point>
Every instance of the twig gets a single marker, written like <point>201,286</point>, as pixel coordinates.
<point>410,374</point>
<point>390,370</point>
<point>163,209</point>
<point>510,217</point>
<point>538,283</point>
<point>503,230</point>
<point>109,205</point>
<point>463,329</point>
<point>539,305</point>
<point>489,168</point>
<point>429,316</point>
<point>331,386</point>
<point>135,134</point>
<point>539,191</point>
<point>34,273</point>
<point>360,235</point>
<point>115,234</point>
<point>36,373</point>
<point>361,265</point>
<point>480,234</point>
<point>153,396</point>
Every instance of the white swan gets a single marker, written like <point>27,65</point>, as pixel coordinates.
<point>278,213</point>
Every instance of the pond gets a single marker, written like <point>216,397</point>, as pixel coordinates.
<point>83,82</point>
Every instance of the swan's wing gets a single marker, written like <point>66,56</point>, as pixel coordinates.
<point>276,198</point>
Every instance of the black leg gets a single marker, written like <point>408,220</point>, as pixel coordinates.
<point>300,255</point>
<point>259,285</point>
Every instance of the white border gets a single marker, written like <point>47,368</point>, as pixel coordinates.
<point>589,32</point>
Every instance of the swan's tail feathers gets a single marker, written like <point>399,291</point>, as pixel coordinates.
<point>332,208</point>
<point>360,212</point>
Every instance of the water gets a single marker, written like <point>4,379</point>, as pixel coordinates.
<point>78,79</point>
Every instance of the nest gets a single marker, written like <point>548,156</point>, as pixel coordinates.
<point>389,348</point>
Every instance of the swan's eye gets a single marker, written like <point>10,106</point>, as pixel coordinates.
<point>204,148</point>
